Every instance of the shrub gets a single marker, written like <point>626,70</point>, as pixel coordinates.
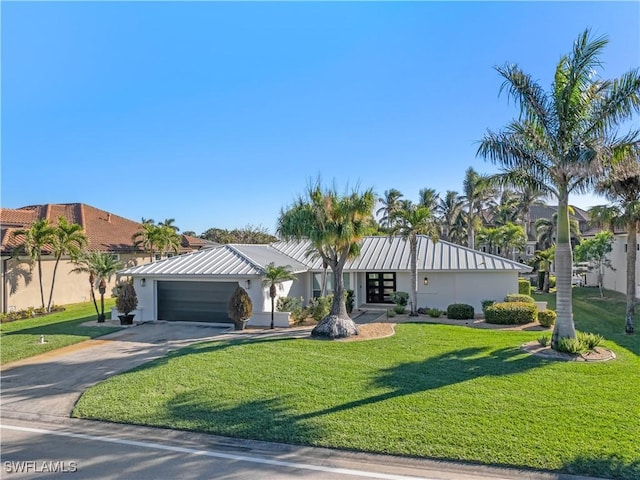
<point>485,304</point>
<point>435,312</point>
<point>30,312</point>
<point>127,300</point>
<point>518,297</point>
<point>547,317</point>
<point>400,298</point>
<point>240,307</point>
<point>552,281</point>
<point>349,300</point>
<point>391,313</point>
<point>511,313</point>
<point>544,340</point>
<point>399,309</point>
<point>460,311</point>
<point>288,304</point>
<point>590,340</point>
<point>320,307</point>
<point>423,310</point>
<point>524,286</point>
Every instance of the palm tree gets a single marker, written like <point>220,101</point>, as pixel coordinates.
<point>429,198</point>
<point>491,237</point>
<point>168,222</point>
<point>67,239</point>
<point>449,209</point>
<point>623,187</point>
<point>36,237</point>
<point>101,267</point>
<point>544,258</point>
<point>527,198</point>
<point>606,217</point>
<point>335,225</point>
<point>505,209</point>
<point>390,204</point>
<point>274,276</point>
<point>477,190</point>
<point>412,221</point>
<point>513,239</point>
<point>147,238</point>
<point>546,229</point>
<point>167,239</point>
<point>560,136</point>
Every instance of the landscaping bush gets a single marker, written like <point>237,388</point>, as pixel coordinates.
<point>423,310</point>
<point>30,312</point>
<point>288,304</point>
<point>400,298</point>
<point>511,313</point>
<point>320,307</point>
<point>547,317</point>
<point>590,340</point>
<point>552,281</point>
<point>485,304</point>
<point>583,342</point>
<point>127,300</point>
<point>240,308</point>
<point>399,309</point>
<point>524,286</point>
<point>349,300</point>
<point>544,340</point>
<point>435,312</point>
<point>460,311</point>
<point>518,297</point>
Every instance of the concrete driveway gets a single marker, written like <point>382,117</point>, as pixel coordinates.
<point>51,384</point>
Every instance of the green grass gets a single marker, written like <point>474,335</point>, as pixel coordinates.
<point>20,339</point>
<point>431,390</point>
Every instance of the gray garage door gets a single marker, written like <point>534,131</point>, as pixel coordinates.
<point>195,301</point>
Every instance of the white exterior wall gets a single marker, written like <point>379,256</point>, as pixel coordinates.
<point>617,279</point>
<point>445,288</point>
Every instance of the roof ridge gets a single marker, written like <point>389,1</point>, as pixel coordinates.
<point>245,256</point>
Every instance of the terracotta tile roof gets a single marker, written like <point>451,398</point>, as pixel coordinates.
<point>105,231</point>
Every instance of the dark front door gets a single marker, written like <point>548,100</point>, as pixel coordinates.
<point>380,286</point>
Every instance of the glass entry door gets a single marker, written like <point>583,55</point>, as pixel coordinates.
<point>380,286</point>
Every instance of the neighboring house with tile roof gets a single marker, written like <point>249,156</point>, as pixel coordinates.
<point>197,286</point>
<point>105,231</point>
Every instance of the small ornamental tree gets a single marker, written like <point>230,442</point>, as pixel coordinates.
<point>127,300</point>
<point>596,250</point>
<point>240,308</point>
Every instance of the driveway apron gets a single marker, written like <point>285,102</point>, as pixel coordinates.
<point>50,384</point>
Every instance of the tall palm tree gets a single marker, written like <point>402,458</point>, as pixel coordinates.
<point>560,136</point>
<point>147,238</point>
<point>505,208</point>
<point>606,217</point>
<point>513,239</point>
<point>528,197</point>
<point>477,190</point>
<point>167,239</point>
<point>169,223</point>
<point>67,239</point>
<point>544,258</point>
<point>449,209</point>
<point>101,267</point>
<point>491,237</point>
<point>622,186</point>
<point>335,225</point>
<point>390,204</point>
<point>36,237</point>
<point>428,197</point>
<point>414,220</point>
<point>273,277</point>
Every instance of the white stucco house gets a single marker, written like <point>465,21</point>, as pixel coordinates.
<point>197,286</point>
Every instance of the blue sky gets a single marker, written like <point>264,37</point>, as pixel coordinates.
<point>219,114</point>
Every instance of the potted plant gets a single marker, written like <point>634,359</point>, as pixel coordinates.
<point>126,303</point>
<point>240,308</point>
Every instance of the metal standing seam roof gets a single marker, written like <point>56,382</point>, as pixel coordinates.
<point>376,254</point>
<point>385,253</point>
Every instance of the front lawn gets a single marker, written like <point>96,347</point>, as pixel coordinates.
<point>434,391</point>
<point>20,339</point>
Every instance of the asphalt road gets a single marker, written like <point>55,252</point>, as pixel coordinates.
<point>66,449</point>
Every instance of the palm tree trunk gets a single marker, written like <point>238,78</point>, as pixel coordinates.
<point>53,281</point>
<point>40,279</point>
<point>93,297</point>
<point>413,244</point>
<point>272,311</point>
<point>337,324</point>
<point>564,326</point>
<point>629,325</point>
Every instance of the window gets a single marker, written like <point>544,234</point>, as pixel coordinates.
<point>317,283</point>
<point>116,256</point>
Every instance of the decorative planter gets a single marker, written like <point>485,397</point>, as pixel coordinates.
<point>541,306</point>
<point>126,319</point>
<point>241,325</point>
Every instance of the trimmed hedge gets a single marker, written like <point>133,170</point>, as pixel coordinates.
<point>460,311</point>
<point>518,297</point>
<point>511,313</point>
<point>524,286</point>
<point>547,317</point>
<point>485,304</point>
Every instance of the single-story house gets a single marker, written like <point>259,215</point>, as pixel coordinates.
<point>197,286</point>
<point>106,232</point>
